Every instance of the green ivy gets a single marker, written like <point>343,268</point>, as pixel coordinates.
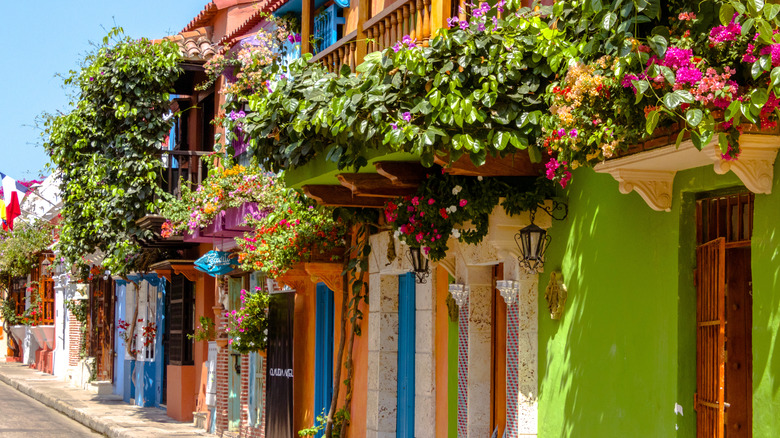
<point>474,90</point>
<point>105,147</point>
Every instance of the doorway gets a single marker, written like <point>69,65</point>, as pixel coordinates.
<point>723,399</point>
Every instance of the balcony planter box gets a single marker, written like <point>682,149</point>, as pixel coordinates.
<point>234,216</point>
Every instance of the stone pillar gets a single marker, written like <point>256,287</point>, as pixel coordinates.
<point>463,369</point>
<point>528,353</point>
<point>480,281</point>
<point>382,397</point>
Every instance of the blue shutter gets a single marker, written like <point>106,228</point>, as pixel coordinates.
<point>406,335</point>
<point>323,374</point>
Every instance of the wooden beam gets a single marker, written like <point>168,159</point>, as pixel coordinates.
<point>402,173</point>
<point>361,48</point>
<point>307,25</point>
<point>518,164</point>
<point>340,196</point>
<point>374,184</point>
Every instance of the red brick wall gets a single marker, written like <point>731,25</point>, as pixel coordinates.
<point>74,333</point>
<point>222,391</point>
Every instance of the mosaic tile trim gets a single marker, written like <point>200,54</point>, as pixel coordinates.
<point>512,350</point>
<point>463,369</point>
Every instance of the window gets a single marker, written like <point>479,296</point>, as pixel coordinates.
<point>182,320</point>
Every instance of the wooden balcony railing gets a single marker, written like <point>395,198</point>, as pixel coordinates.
<point>416,18</point>
<point>344,51</point>
<point>182,167</point>
<point>404,17</point>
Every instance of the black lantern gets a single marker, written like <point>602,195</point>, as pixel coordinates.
<point>419,264</point>
<point>532,241</point>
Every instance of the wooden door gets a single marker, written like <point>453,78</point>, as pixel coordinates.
<point>710,338</point>
<point>102,327</point>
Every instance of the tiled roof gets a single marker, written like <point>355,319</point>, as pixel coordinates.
<point>208,12</point>
<point>264,7</point>
<point>195,44</point>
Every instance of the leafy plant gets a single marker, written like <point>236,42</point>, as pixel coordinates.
<point>459,206</point>
<point>105,146</point>
<point>205,331</point>
<point>247,326</point>
<point>19,248</point>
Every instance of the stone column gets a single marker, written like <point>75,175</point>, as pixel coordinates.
<point>528,353</point>
<point>480,281</point>
<point>382,397</point>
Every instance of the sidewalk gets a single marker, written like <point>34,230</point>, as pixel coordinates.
<point>108,415</point>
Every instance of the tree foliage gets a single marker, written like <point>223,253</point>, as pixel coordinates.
<point>105,146</point>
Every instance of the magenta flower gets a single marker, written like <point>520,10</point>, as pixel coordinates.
<point>678,58</point>
<point>407,116</point>
<point>464,25</point>
<point>394,125</point>
<point>463,202</point>
<point>416,200</point>
<point>431,201</point>
<point>573,133</point>
<point>688,75</point>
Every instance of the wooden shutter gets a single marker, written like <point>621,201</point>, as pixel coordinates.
<point>710,338</point>
<point>181,321</point>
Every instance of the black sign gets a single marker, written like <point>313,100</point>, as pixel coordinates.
<point>279,396</point>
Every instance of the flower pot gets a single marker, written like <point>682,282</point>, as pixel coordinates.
<point>221,342</point>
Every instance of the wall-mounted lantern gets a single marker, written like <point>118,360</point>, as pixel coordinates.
<point>533,240</point>
<point>419,264</point>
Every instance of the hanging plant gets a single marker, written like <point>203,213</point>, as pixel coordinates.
<point>459,207</point>
<point>247,326</point>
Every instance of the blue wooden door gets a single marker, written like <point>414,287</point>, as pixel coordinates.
<point>406,335</point>
<point>323,373</point>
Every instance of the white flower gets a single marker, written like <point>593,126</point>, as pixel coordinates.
<point>479,178</point>
<point>397,233</point>
<point>456,190</point>
<point>455,233</point>
<point>452,209</point>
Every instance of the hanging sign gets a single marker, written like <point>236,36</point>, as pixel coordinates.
<point>216,263</point>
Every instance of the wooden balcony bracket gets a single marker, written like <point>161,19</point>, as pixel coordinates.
<point>651,173</point>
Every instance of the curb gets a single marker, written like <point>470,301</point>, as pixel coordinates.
<point>95,424</point>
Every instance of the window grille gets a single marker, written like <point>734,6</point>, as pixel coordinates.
<point>181,320</point>
<point>326,28</point>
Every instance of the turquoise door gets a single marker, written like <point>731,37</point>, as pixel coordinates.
<point>323,373</point>
<point>406,335</point>
<point>234,378</point>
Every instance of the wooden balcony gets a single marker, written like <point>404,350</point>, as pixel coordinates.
<point>377,30</point>
<point>182,167</point>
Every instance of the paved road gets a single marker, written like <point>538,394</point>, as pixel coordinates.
<point>23,417</point>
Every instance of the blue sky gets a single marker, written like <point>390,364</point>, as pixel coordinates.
<point>46,37</point>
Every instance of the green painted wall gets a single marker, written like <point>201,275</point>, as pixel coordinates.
<point>624,353</point>
<point>766,312</point>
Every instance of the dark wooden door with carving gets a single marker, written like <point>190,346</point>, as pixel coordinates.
<point>101,338</point>
<point>724,404</point>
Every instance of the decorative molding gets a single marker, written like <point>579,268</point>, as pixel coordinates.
<point>556,295</point>
<point>651,173</point>
<point>655,187</point>
<point>755,165</point>
<point>328,273</point>
<point>296,278</point>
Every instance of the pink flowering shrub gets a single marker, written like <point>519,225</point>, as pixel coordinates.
<point>247,326</point>
<point>446,206</point>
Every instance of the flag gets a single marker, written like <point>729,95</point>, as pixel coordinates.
<point>2,215</point>
<point>13,193</point>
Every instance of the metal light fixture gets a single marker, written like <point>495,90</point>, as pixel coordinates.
<point>510,289</point>
<point>419,264</point>
<point>533,239</point>
<point>459,292</point>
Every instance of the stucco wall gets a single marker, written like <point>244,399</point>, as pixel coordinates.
<point>624,352</point>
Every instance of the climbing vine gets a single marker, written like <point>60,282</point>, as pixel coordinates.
<point>105,146</point>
